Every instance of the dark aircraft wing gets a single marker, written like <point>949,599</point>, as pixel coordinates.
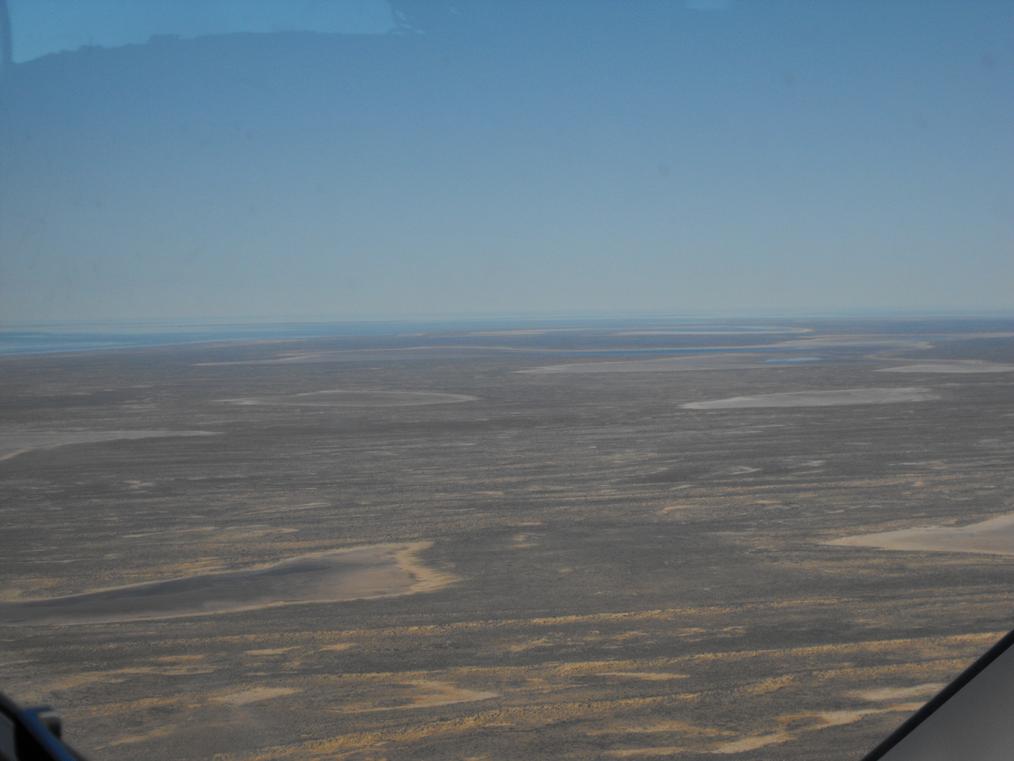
<point>972,719</point>
<point>32,734</point>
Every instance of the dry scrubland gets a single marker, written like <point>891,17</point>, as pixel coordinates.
<point>507,544</point>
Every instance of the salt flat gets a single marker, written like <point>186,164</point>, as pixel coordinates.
<point>836,398</point>
<point>731,361</point>
<point>353,398</point>
<point>992,537</point>
<point>949,366</point>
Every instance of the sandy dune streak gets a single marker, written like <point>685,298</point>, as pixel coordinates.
<point>14,442</point>
<point>629,726</point>
<point>720,361</point>
<point>423,693</point>
<point>339,355</point>
<point>357,573</point>
<point>835,398</point>
<point>713,740</point>
<point>350,398</point>
<point>951,366</point>
<point>763,330</point>
<point>990,537</point>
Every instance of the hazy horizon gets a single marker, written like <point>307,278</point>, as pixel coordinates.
<point>537,317</point>
<point>598,158</point>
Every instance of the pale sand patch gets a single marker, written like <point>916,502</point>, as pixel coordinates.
<point>880,694</point>
<point>983,334</point>
<point>738,357</point>
<point>522,541</point>
<point>854,342</point>
<point>281,358</point>
<point>731,361</point>
<point>425,693</point>
<point>521,647</point>
<point>253,695</point>
<point>269,651</point>
<point>956,366</point>
<point>118,676</point>
<point>990,537</point>
<point>664,726</point>
<point>14,441</point>
<point>842,718</point>
<point>745,331</point>
<point>840,397</point>
<point>339,647</point>
<point>356,573</point>
<point>673,508</point>
<point>520,717</point>
<point>158,733</point>
<point>658,750</point>
<point>738,470</point>
<point>220,534</point>
<point>812,721</point>
<point>769,685</point>
<point>348,398</point>
<point>10,455</point>
<point>29,586</point>
<point>754,742</point>
<point>818,720</point>
<point>647,676</point>
<point>339,355</point>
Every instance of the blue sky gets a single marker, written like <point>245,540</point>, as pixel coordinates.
<point>516,157</point>
<point>51,26</point>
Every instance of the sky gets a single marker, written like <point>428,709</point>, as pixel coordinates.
<point>52,26</point>
<point>346,160</point>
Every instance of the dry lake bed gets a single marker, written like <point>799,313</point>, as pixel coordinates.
<point>640,540</point>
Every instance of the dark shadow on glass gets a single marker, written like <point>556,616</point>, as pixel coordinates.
<point>968,720</point>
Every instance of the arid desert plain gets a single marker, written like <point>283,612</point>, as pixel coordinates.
<point>641,540</point>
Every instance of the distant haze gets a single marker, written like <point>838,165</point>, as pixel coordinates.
<point>482,157</point>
